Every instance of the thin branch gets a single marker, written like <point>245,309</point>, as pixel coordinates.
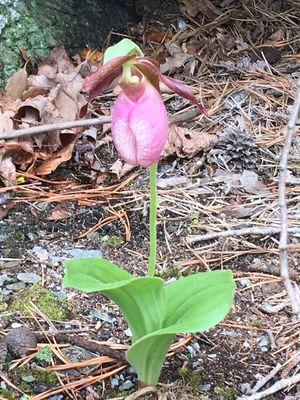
<point>291,128</point>
<point>279,385</point>
<point>271,230</point>
<point>177,118</point>
<point>54,127</point>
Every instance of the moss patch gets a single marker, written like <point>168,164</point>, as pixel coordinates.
<point>191,378</point>
<point>226,393</point>
<point>52,306</point>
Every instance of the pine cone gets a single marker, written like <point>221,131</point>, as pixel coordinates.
<point>237,150</point>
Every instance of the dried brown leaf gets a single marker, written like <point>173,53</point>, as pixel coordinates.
<point>58,157</point>
<point>6,122</point>
<point>186,143</point>
<point>69,99</point>
<point>120,168</point>
<point>59,212</point>
<point>176,60</point>
<point>8,173</point>
<point>16,85</point>
<point>5,208</point>
<point>206,7</point>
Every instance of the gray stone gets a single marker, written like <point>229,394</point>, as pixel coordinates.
<point>41,253</point>
<point>126,385</point>
<point>83,253</point>
<point>19,340</point>
<point>3,279</point>
<point>28,378</point>
<point>16,286</point>
<point>102,317</point>
<point>205,387</point>
<point>114,382</point>
<point>28,277</point>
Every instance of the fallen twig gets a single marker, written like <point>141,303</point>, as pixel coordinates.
<point>181,117</point>
<point>293,292</point>
<point>84,343</point>
<point>279,385</point>
<point>238,232</point>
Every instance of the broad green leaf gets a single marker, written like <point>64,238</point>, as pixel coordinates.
<point>198,302</point>
<point>123,48</point>
<point>147,356</point>
<point>142,300</point>
<point>93,274</point>
<point>194,304</point>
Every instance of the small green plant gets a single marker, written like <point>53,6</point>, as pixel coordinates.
<point>227,393</point>
<point>191,378</point>
<point>44,355</point>
<point>154,311</point>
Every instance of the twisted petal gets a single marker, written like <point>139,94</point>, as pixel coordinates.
<point>140,126</point>
<point>152,68</point>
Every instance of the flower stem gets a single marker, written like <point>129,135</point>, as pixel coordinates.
<point>153,208</point>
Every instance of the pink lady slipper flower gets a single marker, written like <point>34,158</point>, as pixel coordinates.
<point>139,117</point>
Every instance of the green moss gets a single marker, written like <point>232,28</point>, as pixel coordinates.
<point>7,394</point>
<point>44,355</point>
<point>191,378</point>
<point>46,377</point>
<point>227,393</point>
<point>52,306</point>
<point>42,376</point>
<point>256,324</point>
<point>173,272</point>
<point>113,241</point>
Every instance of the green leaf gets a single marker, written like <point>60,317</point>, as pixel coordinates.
<point>147,356</point>
<point>123,48</point>
<point>93,274</point>
<point>198,302</point>
<point>142,300</point>
<point>194,304</point>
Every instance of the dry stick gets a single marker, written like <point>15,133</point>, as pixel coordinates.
<point>86,344</point>
<point>238,232</point>
<point>181,117</point>
<point>279,385</point>
<point>291,128</point>
<point>265,379</point>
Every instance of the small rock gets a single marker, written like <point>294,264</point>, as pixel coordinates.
<point>114,382</point>
<point>245,282</point>
<point>83,253</point>
<point>56,397</point>
<point>212,356</point>
<point>131,370</point>
<point>245,388</point>
<point>3,279</point>
<point>126,385</point>
<point>32,236</point>
<point>264,344</point>
<point>41,253</point>
<point>102,317</point>
<point>16,286</point>
<point>28,277</point>
<point>16,325</point>
<point>249,180</point>
<point>28,378</point>
<point>205,387</point>
<point>19,340</point>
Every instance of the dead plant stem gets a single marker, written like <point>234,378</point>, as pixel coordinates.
<point>292,291</point>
